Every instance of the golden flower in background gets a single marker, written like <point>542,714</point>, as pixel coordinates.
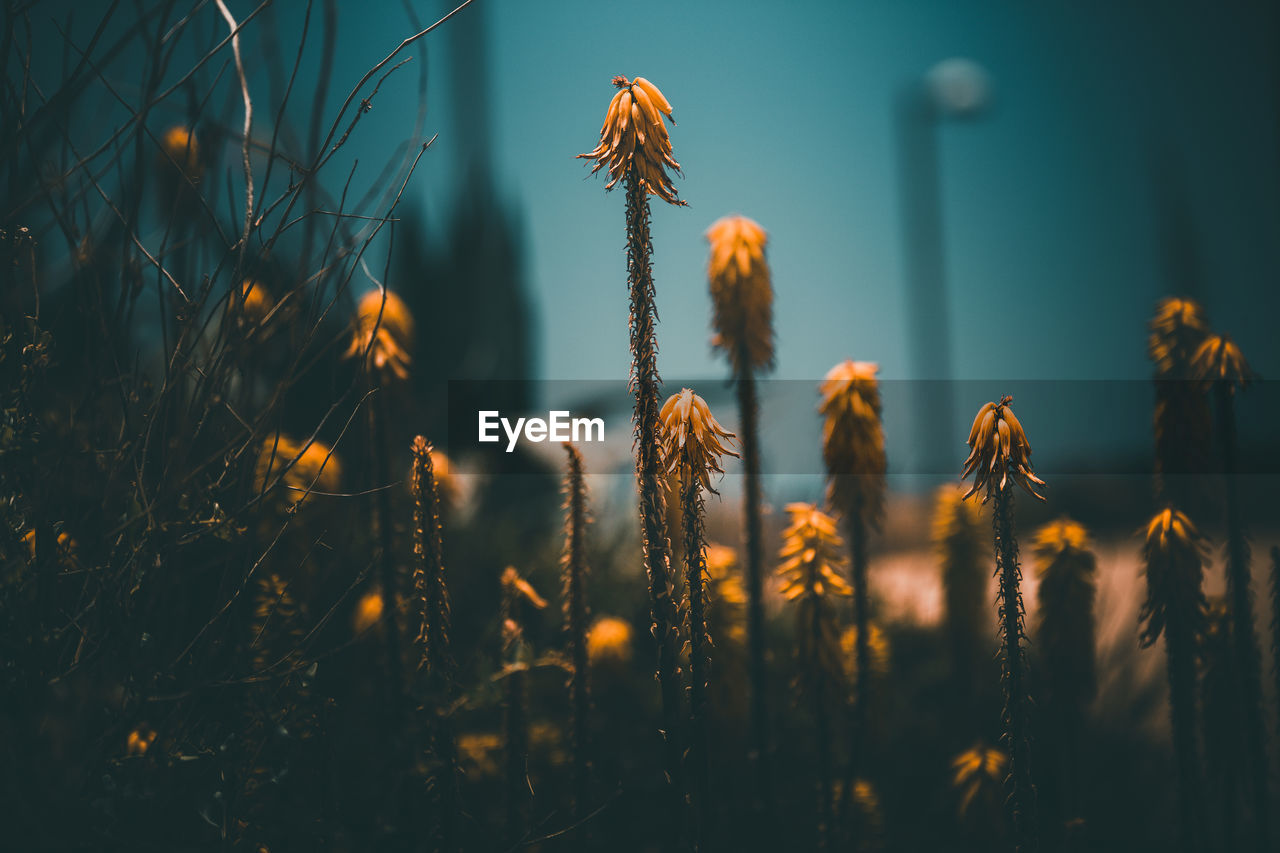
<point>383,335</point>
<point>877,643</point>
<point>66,550</point>
<point>181,148</point>
<point>479,752</point>
<point>251,303</point>
<point>741,292</point>
<point>1219,360</point>
<point>999,449</point>
<point>609,643</point>
<point>812,555</point>
<point>727,593</point>
<point>634,136</point>
<point>853,439</point>
<point>139,741</point>
<point>1174,553</point>
<point>1056,537</point>
<point>368,612</point>
<point>979,772</point>
<point>300,470</point>
<point>691,436</point>
<point>1177,329</point>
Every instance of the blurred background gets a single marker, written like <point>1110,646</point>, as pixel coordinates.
<point>983,198</point>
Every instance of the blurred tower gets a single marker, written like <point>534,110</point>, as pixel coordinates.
<point>956,89</point>
<point>473,304</point>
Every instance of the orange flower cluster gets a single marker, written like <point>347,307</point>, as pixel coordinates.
<point>1174,556</point>
<point>998,449</point>
<point>979,771</point>
<point>383,335</point>
<point>609,643</point>
<point>742,292</point>
<point>692,438</point>
<point>812,555</point>
<point>633,139</point>
<point>299,469</point>
<point>1218,359</point>
<point>853,439</point>
<point>1057,537</point>
<point>181,148</point>
<point>1177,329</point>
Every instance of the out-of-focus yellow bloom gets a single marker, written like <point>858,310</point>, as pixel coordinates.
<point>251,303</point>
<point>955,518</point>
<point>182,148</point>
<point>316,468</point>
<point>479,752</point>
<point>1219,360</point>
<point>811,555</point>
<point>609,643</point>
<point>999,450</point>
<point>139,741</point>
<point>1174,556</point>
<point>1177,329</point>
<point>852,439</point>
<point>979,771</point>
<point>741,292</point>
<point>517,587</point>
<point>1058,536</point>
<point>66,549</point>
<point>383,335</point>
<point>726,592</point>
<point>368,612</point>
<point>691,438</point>
<point>634,136</point>
<point>877,644</point>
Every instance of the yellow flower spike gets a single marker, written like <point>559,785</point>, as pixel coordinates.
<point>1219,360</point>
<point>812,555</point>
<point>383,335</point>
<point>609,643</point>
<point>139,741</point>
<point>742,292</point>
<point>877,642</point>
<point>634,136</point>
<point>517,587</point>
<point>999,450</point>
<point>1174,554</point>
<point>1176,330</point>
<point>853,439</point>
<point>692,439</point>
<point>978,770</point>
<point>1058,536</point>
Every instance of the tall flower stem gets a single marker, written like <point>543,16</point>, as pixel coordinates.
<point>857,532</point>
<point>1247,653</point>
<point>576,614</point>
<point>1275,617</point>
<point>1022,792</point>
<point>749,414</point>
<point>436,658</point>
<point>695,565</point>
<point>644,384</point>
<point>822,732</point>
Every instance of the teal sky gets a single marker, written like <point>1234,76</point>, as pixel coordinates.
<point>1053,254</point>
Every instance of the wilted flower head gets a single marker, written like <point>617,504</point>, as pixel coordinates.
<point>1176,330</point>
<point>812,555</point>
<point>999,449</point>
<point>1174,556</point>
<point>979,773</point>
<point>609,643</point>
<point>300,470</point>
<point>691,438</point>
<point>1219,360</point>
<point>634,136</point>
<point>383,334</point>
<point>853,439</point>
<point>180,147</point>
<point>741,292</point>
